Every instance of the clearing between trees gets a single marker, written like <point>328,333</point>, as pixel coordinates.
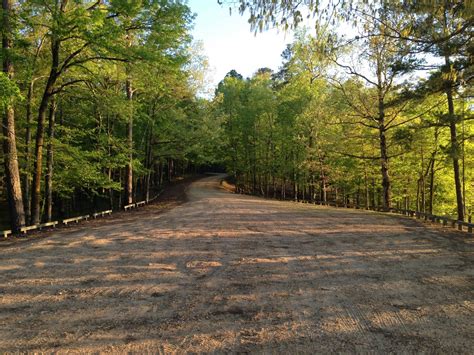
<point>225,272</point>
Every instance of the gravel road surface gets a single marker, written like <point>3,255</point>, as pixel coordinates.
<point>232,273</point>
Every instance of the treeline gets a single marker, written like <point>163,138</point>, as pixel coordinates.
<point>380,119</point>
<point>99,104</point>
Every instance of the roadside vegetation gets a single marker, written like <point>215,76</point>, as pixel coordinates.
<point>381,118</point>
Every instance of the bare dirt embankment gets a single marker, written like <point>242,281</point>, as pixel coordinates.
<point>224,272</point>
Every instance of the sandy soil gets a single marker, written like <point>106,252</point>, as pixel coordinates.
<point>231,273</point>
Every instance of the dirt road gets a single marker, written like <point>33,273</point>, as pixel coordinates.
<point>232,273</point>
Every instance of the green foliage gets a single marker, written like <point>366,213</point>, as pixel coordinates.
<point>9,91</point>
<point>312,130</point>
<point>85,55</point>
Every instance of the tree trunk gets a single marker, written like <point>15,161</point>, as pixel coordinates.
<point>12,171</point>
<point>149,164</point>
<point>432,172</point>
<point>274,186</point>
<point>431,196</point>
<point>323,179</point>
<point>170,169</point>
<point>406,198</point>
<point>129,169</point>
<point>160,181</point>
<point>386,184</point>
<point>38,166</point>
<point>49,163</point>
<point>110,172</point>
<point>367,190</point>
<point>455,151</point>
<point>283,189</point>
<point>422,184</point>
<point>27,175</point>
<point>418,195</point>
<point>254,170</point>
<point>374,193</point>
<point>111,191</point>
<point>295,185</point>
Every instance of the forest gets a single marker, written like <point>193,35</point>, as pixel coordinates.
<point>101,104</point>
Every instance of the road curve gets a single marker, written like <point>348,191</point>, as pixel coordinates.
<point>233,273</point>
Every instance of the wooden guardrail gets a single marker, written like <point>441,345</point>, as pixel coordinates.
<point>129,207</point>
<point>53,224</point>
<point>38,226</point>
<point>445,221</point>
<point>141,203</point>
<point>29,228</point>
<point>134,205</point>
<point>102,214</point>
<point>75,219</point>
<point>48,224</point>
<point>66,221</point>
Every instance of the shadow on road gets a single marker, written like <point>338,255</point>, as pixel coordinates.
<point>232,273</point>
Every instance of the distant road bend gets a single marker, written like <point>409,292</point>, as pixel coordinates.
<point>233,273</point>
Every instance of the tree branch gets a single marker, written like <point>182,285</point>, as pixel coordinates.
<point>351,71</point>
<point>69,83</point>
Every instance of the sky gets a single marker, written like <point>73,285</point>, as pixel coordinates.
<point>229,43</point>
